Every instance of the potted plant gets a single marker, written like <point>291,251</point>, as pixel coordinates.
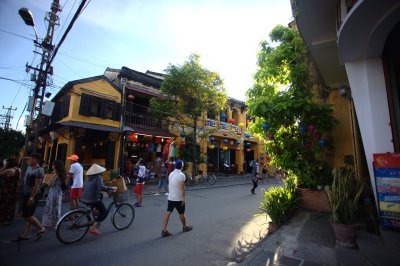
<point>278,203</point>
<point>344,196</point>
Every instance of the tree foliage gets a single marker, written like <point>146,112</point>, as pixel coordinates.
<point>11,143</point>
<point>189,91</point>
<point>282,98</point>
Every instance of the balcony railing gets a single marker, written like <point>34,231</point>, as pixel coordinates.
<point>143,120</point>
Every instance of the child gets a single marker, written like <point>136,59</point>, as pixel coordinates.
<point>138,190</point>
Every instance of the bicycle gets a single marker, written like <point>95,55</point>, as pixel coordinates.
<point>75,224</point>
<point>211,179</point>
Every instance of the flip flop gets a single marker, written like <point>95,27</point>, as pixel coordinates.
<point>40,234</point>
<point>20,239</point>
<point>165,233</point>
<point>95,232</point>
<point>188,228</point>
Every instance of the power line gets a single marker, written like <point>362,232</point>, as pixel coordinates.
<point>16,34</point>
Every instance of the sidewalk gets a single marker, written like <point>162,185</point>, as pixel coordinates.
<point>308,239</point>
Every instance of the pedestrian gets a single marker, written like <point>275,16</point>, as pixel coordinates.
<point>92,195</point>
<point>30,197</point>
<point>76,177</point>
<point>176,199</point>
<point>52,209</point>
<point>254,179</point>
<point>10,174</point>
<point>163,182</point>
<point>140,180</point>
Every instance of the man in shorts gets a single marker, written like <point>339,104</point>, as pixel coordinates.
<point>76,175</point>
<point>30,197</point>
<point>141,177</point>
<point>176,199</point>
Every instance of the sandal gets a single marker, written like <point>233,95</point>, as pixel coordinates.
<point>165,233</point>
<point>40,234</point>
<point>94,232</point>
<point>188,228</point>
<point>20,239</point>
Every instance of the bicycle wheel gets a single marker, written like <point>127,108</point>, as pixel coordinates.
<point>211,179</point>
<point>123,216</point>
<point>73,226</point>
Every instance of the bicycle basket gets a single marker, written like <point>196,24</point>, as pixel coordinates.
<point>121,197</point>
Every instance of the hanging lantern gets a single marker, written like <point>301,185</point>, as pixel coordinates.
<point>225,133</point>
<point>238,148</point>
<point>225,141</point>
<point>169,141</point>
<point>311,128</point>
<point>307,145</point>
<point>238,136</point>
<point>223,115</point>
<point>317,135</point>
<point>265,126</point>
<point>248,144</point>
<point>241,125</point>
<point>239,133</point>
<point>131,97</point>
<point>182,143</point>
<point>231,142</point>
<point>323,143</point>
<point>261,157</point>
<point>247,135</point>
<point>211,139</point>
<point>231,120</point>
<point>211,147</point>
<point>302,130</point>
<point>248,150</point>
<point>182,134</point>
<point>225,148</point>
<point>238,142</point>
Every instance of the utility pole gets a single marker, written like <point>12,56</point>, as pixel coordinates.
<point>43,70</point>
<point>7,117</point>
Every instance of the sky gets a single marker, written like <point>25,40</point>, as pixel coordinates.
<point>139,34</point>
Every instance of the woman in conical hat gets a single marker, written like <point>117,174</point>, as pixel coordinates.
<point>92,195</point>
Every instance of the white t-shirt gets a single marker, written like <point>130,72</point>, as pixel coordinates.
<point>76,172</point>
<point>175,180</point>
<point>142,171</point>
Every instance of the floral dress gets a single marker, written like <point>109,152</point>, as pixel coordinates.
<point>8,196</point>
<point>52,209</point>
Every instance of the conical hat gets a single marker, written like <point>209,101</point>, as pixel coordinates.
<point>95,169</point>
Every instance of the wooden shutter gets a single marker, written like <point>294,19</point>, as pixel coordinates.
<point>85,104</point>
<point>117,112</point>
<point>62,152</point>
<point>65,106</point>
<point>110,154</point>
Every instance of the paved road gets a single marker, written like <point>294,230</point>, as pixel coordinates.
<point>224,227</point>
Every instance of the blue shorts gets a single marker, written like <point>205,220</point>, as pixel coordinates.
<point>163,183</point>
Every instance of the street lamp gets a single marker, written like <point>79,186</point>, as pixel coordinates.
<point>27,17</point>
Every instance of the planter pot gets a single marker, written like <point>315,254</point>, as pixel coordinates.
<point>272,227</point>
<point>314,200</point>
<point>346,235</point>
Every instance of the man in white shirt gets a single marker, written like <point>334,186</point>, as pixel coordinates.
<point>76,175</point>
<point>176,199</point>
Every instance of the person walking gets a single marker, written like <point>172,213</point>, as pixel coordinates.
<point>256,169</point>
<point>10,174</point>
<point>30,197</point>
<point>163,183</point>
<point>141,176</point>
<point>52,209</point>
<point>92,195</point>
<point>176,199</point>
<point>76,175</point>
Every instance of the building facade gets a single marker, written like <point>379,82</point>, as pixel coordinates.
<point>355,47</point>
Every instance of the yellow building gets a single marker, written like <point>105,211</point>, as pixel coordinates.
<point>85,121</point>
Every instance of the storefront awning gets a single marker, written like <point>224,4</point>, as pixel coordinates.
<point>153,132</point>
<point>89,126</point>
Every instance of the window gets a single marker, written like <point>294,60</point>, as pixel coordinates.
<point>98,107</point>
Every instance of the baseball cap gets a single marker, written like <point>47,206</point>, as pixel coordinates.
<point>73,157</point>
<point>179,164</point>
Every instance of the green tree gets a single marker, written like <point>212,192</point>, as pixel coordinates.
<point>11,143</point>
<point>189,90</point>
<point>286,113</point>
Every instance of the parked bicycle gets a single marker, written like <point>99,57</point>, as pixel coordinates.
<point>210,178</point>
<point>75,224</point>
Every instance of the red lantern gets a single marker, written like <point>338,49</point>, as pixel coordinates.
<point>248,150</point>
<point>239,133</point>
<point>238,148</point>
<point>317,135</point>
<point>311,128</point>
<point>182,143</point>
<point>231,120</point>
<point>308,145</point>
<point>169,141</point>
<point>225,133</point>
<point>133,137</point>
<point>131,97</point>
